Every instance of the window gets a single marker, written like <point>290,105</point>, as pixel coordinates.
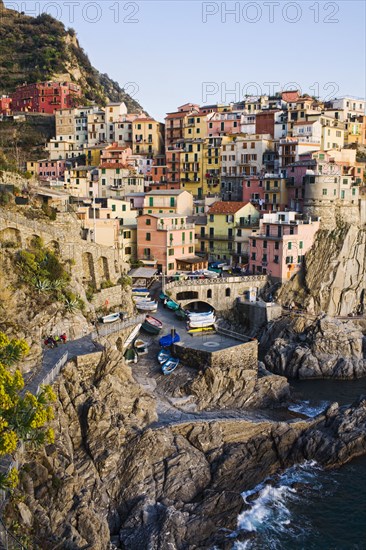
<point>254,256</point>
<point>171,252</point>
<point>301,244</point>
<point>325,192</point>
<point>254,242</point>
<point>172,201</point>
<point>113,207</point>
<point>103,181</point>
<point>212,231</point>
<point>289,245</point>
<point>148,221</point>
<point>170,266</point>
<point>212,217</point>
<point>148,236</point>
<point>342,194</point>
<point>127,234</point>
<point>354,191</point>
<point>289,259</point>
<point>151,201</point>
<point>264,244</point>
<point>123,208</point>
<point>209,293</point>
<point>227,292</point>
<point>128,250</point>
<point>276,259</point>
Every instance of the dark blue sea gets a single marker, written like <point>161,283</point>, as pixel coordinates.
<point>307,508</point>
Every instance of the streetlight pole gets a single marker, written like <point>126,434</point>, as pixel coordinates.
<point>94,220</point>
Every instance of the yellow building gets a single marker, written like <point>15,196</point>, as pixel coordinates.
<point>147,137</point>
<point>93,154</point>
<point>229,225</point>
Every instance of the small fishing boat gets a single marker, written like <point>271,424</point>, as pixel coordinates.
<point>200,329</point>
<point>132,336</point>
<point>163,356</point>
<point>130,355</point>
<point>147,306</point>
<point>111,318</point>
<point>163,296</point>
<point>168,340</point>
<point>170,365</point>
<point>141,346</point>
<point>201,323</point>
<point>140,296</point>
<point>170,304</point>
<point>153,321</point>
<point>181,314</point>
<point>151,329</point>
<point>192,314</point>
<point>137,289</point>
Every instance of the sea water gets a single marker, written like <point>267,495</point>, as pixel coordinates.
<point>306,507</point>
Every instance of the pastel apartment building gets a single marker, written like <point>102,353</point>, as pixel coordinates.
<point>45,97</point>
<point>46,169</point>
<point>147,136</point>
<point>278,247</point>
<point>166,241</point>
<point>229,225</point>
<point>268,192</point>
<point>171,201</point>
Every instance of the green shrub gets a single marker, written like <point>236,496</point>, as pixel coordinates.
<point>107,284</point>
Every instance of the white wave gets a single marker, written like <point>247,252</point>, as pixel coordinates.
<point>309,410</point>
<point>270,511</point>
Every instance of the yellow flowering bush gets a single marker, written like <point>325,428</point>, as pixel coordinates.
<point>22,418</point>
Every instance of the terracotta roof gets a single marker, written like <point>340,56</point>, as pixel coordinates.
<point>304,122</point>
<point>175,115</point>
<point>226,207</point>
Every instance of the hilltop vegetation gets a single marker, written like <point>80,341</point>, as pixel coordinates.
<point>40,48</point>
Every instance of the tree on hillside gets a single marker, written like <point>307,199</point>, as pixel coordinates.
<point>23,417</point>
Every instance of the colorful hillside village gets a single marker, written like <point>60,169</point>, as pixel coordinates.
<point>240,184</point>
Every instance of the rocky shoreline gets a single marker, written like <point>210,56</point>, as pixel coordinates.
<point>117,474</point>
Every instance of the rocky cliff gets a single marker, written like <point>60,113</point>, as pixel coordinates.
<point>114,473</point>
<point>333,277</point>
<point>325,348</point>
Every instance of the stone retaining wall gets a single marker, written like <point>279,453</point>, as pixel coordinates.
<point>244,355</point>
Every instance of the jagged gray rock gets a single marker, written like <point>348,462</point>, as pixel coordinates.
<point>326,348</point>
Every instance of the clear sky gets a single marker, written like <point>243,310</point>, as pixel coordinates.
<point>173,52</point>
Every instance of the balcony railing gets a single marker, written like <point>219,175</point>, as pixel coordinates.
<point>175,227</point>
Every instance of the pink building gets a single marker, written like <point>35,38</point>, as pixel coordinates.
<point>278,247</point>
<point>219,124</point>
<point>167,242</point>
<point>268,194</point>
<point>47,169</point>
<point>115,154</point>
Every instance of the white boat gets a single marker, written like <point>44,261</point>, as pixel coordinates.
<point>141,346</point>
<point>147,306</point>
<point>193,314</point>
<point>132,336</point>
<point>140,294</point>
<point>203,318</point>
<point>111,318</point>
<point>138,299</point>
<point>201,323</point>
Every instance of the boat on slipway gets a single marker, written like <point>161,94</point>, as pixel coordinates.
<point>163,356</point>
<point>147,306</point>
<point>152,325</point>
<point>201,323</point>
<point>170,365</point>
<point>132,336</point>
<point>111,318</point>
<point>130,355</point>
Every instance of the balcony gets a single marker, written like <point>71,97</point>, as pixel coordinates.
<point>175,227</point>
